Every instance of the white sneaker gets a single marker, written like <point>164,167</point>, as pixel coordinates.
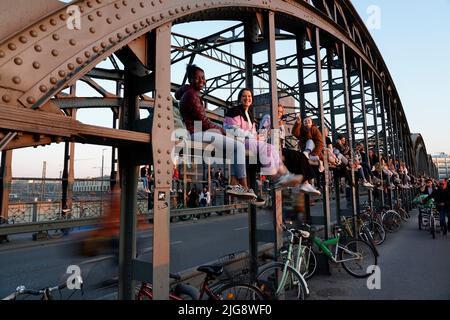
<point>309,189</point>
<point>306,153</point>
<point>240,191</point>
<point>368,184</point>
<point>288,180</point>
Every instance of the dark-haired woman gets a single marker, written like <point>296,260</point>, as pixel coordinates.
<point>192,110</point>
<point>240,122</point>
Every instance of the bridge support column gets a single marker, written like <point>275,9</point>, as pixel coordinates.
<point>5,182</point>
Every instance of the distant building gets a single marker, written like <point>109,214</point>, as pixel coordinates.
<point>442,163</point>
<point>92,185</point>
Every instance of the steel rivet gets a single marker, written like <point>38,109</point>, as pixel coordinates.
<point>62,73</point>
<point>116,5</point>
<point>168,127</point>
<point>12,46</point>
<point>108,20</point>
<point>92,30</point>
<point>135,26</point>
<point>159,150</point>
<point>6,98</point>
<point>70,66</point>
<point>161,16</point>
<point>148,20</point>
<point>89,4</point>
<point>118,16</point>
<point>142,23</point>
<point>23,39</point>
<point>38,48</point>
<point>18,61</point>
<point>133,10</point>
<point>90,17</point>
<point>16,79</point>
<point>43,88</point>
<point>159,115</point>
<point>53,80</point>
<point>31,100</point>
<point>119,35</point>
<point>124,2</point>
<point>62,16</point>
<point>95,49</point>
<point>168,151</point>
<point>33,33</point>
<point>99,14</point>
<point>53,22</point>
<point>79,60</point>
<point>103,45</point>
<point>36,65</point>
<point>159,125</point>
<point>42,27</point>
<point>159,161</point>
<point>72,42</point>
<point>87,54</point>
<point>55,52</point>
<point>141,4</point>
<point>99,1</point>
<point>127,30</point>
<point>111,40</point>
<point>55,37</point>
<point>159,181</point>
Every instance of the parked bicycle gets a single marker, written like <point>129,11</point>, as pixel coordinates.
<point>223,289</point>
<point>355,255</point>
<point>47,293</point>
<point>284,280</point>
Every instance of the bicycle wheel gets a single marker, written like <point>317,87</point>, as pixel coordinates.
<point>366,235</point>
<point>238,291</point>
<point>378,233</point>
<point>288,286</point>
<point>391,221</point>
<point>308,263</point>
<point>357,266</point>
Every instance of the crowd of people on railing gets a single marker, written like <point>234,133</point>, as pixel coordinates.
<point>303,167</point>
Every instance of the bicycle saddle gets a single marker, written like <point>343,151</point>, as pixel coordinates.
<point>212,270</point>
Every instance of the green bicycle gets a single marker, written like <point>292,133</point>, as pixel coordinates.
<point>355,255</point>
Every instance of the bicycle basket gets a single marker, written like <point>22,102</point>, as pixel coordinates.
<point>236,266</point>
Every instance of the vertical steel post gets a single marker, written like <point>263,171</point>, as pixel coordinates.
<point>326,194</point>
<point>385,142</point>
<point>5,182</point>
<point>128,202</point>
<point>333,127</point>
<point>162,128</point>
<point>375,123</point>
<point>348,120</point>
<point>364,115</point>
<point>252,218</point>
<point>277,208</point>
<point>300,46</point>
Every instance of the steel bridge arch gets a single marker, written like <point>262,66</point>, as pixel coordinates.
<point>39,59</point>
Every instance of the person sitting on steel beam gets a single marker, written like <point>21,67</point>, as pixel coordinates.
<point>295,161</point>
<point>192,110</point>
<point>240,121</point>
